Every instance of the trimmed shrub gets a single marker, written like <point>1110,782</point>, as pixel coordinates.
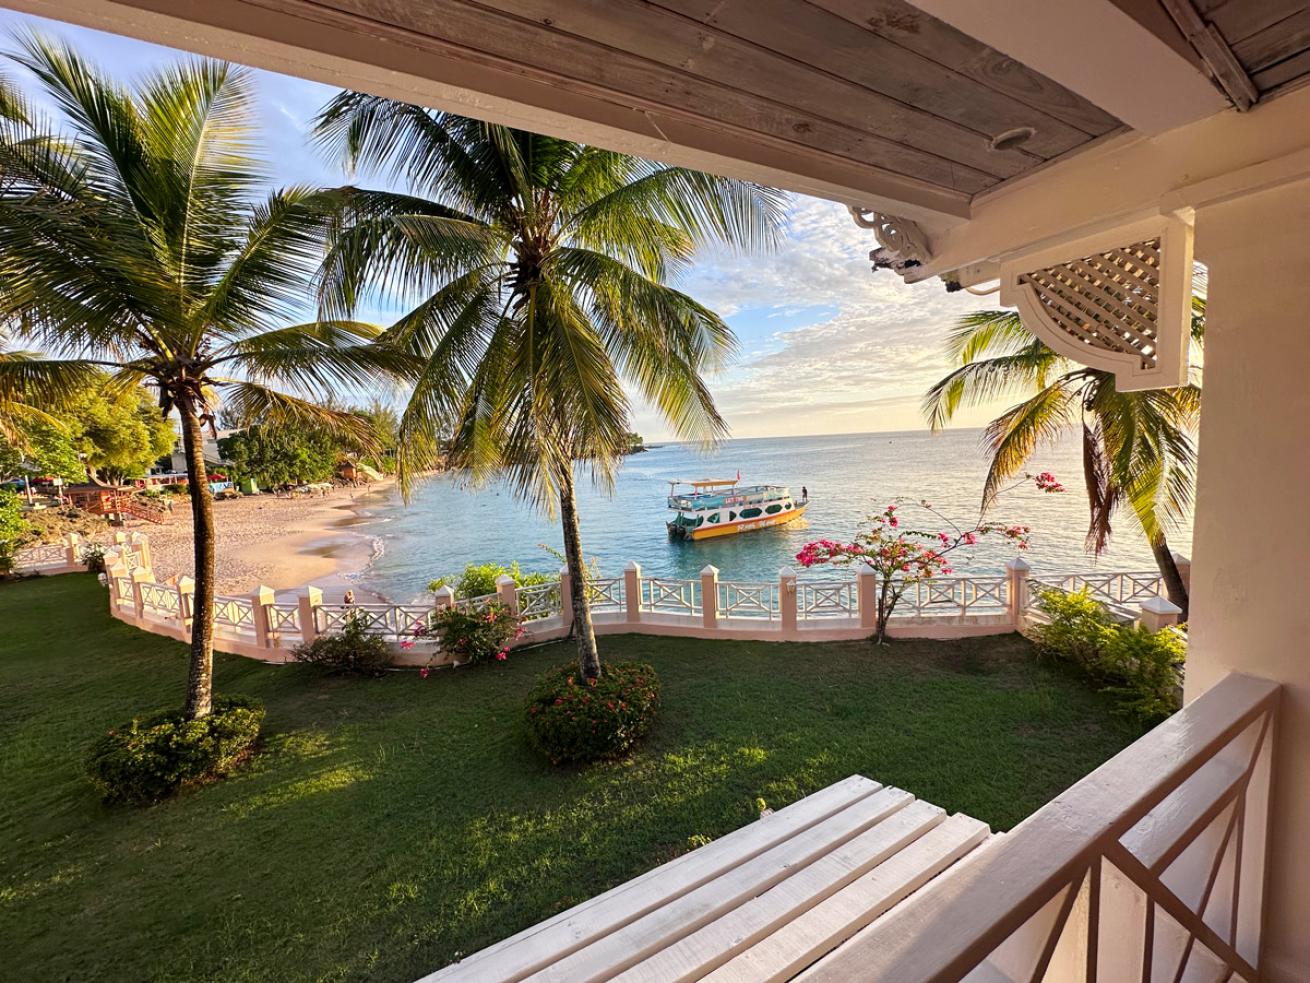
<point>476,636</point>
<point>1077,622</point>
<point>353,651</point>
<point>1143,668</point>
<point>148,760</point>
<point>572,719</point>
<point>479,579</point>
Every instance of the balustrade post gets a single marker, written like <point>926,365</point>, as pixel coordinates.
<point>709,596</point>
<point>566,598</point>
<point>445,595</point>
<point>186,600</point>
<point>114,569</point>
<point>73,556</point>
<point>632,591</point>
<point>1017,572</point>
<point>120,538</point>
<point>309,603</point>
<point>1184,566</point>
<point>787,601</point>
<point>139,576</point>
<point>141,543</point>
<point>1158,612</point>
<point>507,593</point>
<point>866,596</point>
<point>259,602</point>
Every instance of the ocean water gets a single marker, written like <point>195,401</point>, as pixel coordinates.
<point>448,524</point>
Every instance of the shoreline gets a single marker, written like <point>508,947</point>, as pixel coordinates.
<point>284,544</point>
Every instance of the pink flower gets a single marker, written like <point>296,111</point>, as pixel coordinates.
<point>407,645</point>
<point>423,673</point>
<point>502,655</point>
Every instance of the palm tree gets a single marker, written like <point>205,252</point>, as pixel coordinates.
<point>538,274</point>
<point>1138,447</point>
<point>137,239</point>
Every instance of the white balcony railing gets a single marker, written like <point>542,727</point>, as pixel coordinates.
<point>1150,868</point>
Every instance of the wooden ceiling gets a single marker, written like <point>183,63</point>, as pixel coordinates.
<point>877,83</point>
<point>1270,38</point>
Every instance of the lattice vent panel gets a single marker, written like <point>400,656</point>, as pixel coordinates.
<point>1109,301</point>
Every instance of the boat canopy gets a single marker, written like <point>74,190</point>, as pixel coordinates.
<point>705,482</point>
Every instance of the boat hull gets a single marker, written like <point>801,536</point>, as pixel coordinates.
<point>748,525</point>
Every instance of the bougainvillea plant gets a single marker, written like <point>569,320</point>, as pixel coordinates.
<point>902,557</point>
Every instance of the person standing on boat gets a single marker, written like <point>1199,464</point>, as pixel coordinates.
<point>805,494</point>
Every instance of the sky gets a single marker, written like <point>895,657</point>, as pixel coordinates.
<point>827,346</point>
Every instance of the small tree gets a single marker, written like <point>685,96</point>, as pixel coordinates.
<point>902,557</point>
<point>12,527</point>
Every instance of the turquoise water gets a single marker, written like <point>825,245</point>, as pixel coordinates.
<point>449,524</point>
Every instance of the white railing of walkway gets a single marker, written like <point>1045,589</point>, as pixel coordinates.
<point>269,626</point>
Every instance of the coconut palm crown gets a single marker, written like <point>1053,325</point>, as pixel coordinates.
<point>534,273</point>
<point>136,233</point>
<point>1139,448</point>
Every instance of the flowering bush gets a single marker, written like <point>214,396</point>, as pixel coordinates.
<point>902,557</point>
<point>477,636</point>
<point>351,651</point>
<point>148,760</point>
<point>574,719</point>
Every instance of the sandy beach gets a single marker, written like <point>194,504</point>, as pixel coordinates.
<point>275,542</point>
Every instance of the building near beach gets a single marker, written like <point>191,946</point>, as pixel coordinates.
<point>1081,154</point>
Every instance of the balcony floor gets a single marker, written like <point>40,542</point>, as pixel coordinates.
<point>761,903</point>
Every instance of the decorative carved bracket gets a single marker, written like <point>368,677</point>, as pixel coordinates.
<point>1120,301</point>
<point>903,244</point>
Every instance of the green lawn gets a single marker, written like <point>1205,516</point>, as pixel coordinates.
<point>390,825</point>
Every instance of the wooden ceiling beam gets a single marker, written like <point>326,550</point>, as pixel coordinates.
<point>1098,50</point>
<point>309,40</point>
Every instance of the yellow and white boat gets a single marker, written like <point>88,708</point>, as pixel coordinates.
<point>721,507</point>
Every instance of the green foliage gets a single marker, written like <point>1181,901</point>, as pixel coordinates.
<point>12,527</point>
<point>471,636</point>
<point>117,434</point>
<point>48,447</point>
<point>1076,624</point>
<point>93,557</point>
<point>122,434</point>
<point>479,579</point>
<point>1142,668</point>
<point>351,651</point>
<point>574,719</point>
<point>148,760</point>
<point>277,455</point>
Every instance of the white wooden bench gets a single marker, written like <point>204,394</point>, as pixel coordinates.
<point>761,903</point>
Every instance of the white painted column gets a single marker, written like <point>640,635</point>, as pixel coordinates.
<point>632,591</point>
<point>1253,494</point>
<point>445,596</point>
<point>260,599</point>
<point>709,597</point>
<point>507,593</point>
<point>186,599</point>
<point>1157,613</point>
<point>73,557</point>
<point>566,598</point>
<point>866,596</point>
<point>309,603</point>
<point>787,601</point>
<point>1017,572</point>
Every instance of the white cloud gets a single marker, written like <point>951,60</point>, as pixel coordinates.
<point>864,364</point>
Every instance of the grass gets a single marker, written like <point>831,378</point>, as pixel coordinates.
<point>390,825</point>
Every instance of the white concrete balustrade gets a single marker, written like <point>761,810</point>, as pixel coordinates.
<point>268,624</point>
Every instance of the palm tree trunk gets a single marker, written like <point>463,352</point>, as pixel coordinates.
<point>1173,580</point>
<point>200,677</point>
<point>584,631</point>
